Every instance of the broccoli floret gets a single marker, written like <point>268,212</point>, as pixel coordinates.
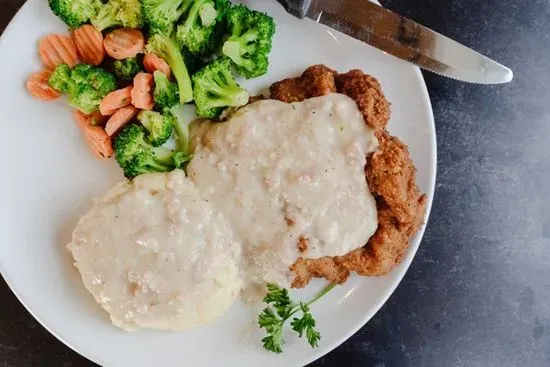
<point>119,13</point>
<point>167,49</point>
<point>74,13</point>
<point>166,93</point>
<point>85,98</point>
<point>250,41</point>
<point>160,15</point>
<point>126,69</point>
<point>136,156</point>
<point>85,85</point>
<point>61,79</point>
<point>99,79</point>
<point>193,62</point>
<point>198,33</point>
<point>209,14</point>
<point>159,126</point>
<point>215,88</point>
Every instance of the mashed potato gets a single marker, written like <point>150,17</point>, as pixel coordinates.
<point>151,261</point>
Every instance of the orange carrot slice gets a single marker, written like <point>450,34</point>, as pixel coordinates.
<point>152,63</point>
<point>115,100</point>
<point>123,43</point>
<point>56,49</point>
<point>119,119</point>
<point>99,142</point>
<point>142,97</point>
<point>89,42</point>
<point>96,118</point>
<point>96,138</point>
<point>38,86</point>
<point>83,120</point>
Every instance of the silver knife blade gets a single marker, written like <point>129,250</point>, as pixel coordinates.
<point>407,40</point>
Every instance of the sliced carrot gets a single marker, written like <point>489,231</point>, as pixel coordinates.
<point>96,137</point>
<point>142,96</point>
<point>119,119</point>
<point>38,86</point>
<point>99,142</point>
<point>96,118</point>
<point>123,43</point>
<point>115,100</point>
<point>55,49</point>
<point>152,63</point>
<point>83,120</point>
<point>89,42</point>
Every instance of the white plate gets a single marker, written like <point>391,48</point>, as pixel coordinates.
<point>49,179</point>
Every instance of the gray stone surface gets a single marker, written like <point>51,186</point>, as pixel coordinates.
<point>478,292</point>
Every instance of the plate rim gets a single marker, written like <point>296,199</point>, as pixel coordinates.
<point>402,270</point>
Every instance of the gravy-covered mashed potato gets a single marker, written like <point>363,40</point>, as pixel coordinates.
<point>277,182</point>
<point>154,254</point>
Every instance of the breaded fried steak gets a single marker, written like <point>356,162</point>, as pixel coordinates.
<point>390,175</point>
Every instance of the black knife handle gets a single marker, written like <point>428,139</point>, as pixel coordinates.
<point>298,8</point>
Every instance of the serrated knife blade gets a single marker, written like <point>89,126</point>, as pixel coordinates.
<point>402,38</point>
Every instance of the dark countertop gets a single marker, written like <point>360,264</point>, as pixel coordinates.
<point>478,291</point>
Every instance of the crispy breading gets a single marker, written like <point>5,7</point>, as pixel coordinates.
<point>390,174</point>
<point>367,93</point>
<point>326,267</point>
<point>316,81</point>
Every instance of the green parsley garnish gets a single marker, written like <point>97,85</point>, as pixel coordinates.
<point>280,308</point>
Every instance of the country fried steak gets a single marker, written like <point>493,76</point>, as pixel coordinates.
<point>390,174</point>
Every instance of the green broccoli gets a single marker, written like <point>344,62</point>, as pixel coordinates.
<point>167,49</point>
<point>158,126</point>
<point>119,13</point>
<point>85,98</point>
<point>74,13</point>
<point>99,79</point>
<point>160,15</point>
<point>166,93</point>
<point>136,156</point>
<point>193,62</point>
<point>61,79</point>
<point>250,41</point>
<point>126,69</point>
<point>85,85</point>
<point>183,117</point>
<point>199,33</point>
<point>215,88</point>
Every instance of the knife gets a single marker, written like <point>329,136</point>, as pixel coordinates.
<point>402,37</point>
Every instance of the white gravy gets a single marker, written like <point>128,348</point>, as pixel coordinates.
<point>280,172</point>
<point>154,254</point>
<point>172,252</point>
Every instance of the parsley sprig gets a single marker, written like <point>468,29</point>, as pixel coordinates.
<point>280,308</point>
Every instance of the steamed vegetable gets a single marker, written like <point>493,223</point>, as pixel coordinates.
<point>119,13</point>
<point>200,32</point>
<point>126,69</point>
<point>215,89</point>
<point>166,93</point>
<point>167,49</point>
<point>159,126</point>
<point>161,15</point>
<point>136,154</point>
<point>85,85</point>
<point>74,13</point>
<point>250,40</point>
